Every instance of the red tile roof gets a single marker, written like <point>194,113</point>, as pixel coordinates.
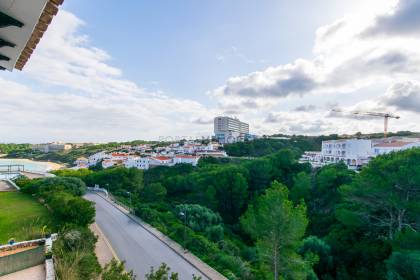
<point>119,154</point>
<point>162,158</point>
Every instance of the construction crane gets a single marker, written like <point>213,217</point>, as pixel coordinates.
<point>386,117</point>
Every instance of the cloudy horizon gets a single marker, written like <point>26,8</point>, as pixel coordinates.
<point>80,87</point>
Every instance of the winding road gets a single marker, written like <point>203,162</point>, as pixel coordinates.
<point>134,244</point>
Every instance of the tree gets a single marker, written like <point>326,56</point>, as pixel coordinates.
<point>117,179</point>
<point>260,171</point>
<point>403,265</point>
<point>301,187</point>
<point>231,192</point>
<point>325,197</point>
<point>386,194</point>
<point>154,192</point>
<point>198,217</point>
<point>75,186</point>
<point>115,270</point>
<point>318,247</point>
<point>162,273</point>
<point>79,173</point>
<point>278,228</point>
<point>71,209</point>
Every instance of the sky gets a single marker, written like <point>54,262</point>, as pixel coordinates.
<point>119,71</point>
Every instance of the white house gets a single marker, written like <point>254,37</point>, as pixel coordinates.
<point>82,162</point>
<point>119,156</point>
<point>106,163</point>
<point>193,160</point>
<point>161,160</point>
<point>95,158</point>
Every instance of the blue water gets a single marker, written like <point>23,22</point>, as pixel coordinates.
<point>29,164</point>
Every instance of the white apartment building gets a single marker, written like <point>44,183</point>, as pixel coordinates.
<point>230,130</point>
<point>353,152</point>
<point>137,162</point>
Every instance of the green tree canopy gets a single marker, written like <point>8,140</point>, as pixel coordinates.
<point>278,228</point>
<point>386,194</point>
<point>154,192</point>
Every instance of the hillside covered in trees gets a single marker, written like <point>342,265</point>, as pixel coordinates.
<point>273,218</point>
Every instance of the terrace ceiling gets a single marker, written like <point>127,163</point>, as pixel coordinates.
<point>22,25</point>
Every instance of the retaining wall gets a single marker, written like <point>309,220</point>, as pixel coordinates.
<point>22,260</point>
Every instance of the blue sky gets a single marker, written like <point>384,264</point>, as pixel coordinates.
<point>125,70</point>
<point>186,48</point>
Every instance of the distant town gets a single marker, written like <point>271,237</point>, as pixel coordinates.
<point>353,152</point>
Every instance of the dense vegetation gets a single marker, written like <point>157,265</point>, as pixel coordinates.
<point>273,218</point>
<point>7,148</point>
<point>298,143</point>
<point>74,250</point>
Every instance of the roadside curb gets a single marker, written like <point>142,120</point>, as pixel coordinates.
<point>193,260</point>
<point>100,232</point>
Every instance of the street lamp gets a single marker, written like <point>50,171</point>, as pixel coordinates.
<point>129,205</point>
<point>184,215</point>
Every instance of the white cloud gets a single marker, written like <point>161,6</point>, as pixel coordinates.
<point>72,93</point>
<point>345,60</point>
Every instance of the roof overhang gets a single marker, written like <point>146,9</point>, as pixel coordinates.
<point>22,25</point>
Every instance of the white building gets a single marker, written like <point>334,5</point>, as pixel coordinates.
<point>230,130</point>
<point>119,156</point>
<point>193,160</point>
<point>353,152</point>
<point>161,161</point>
<point>356,152</point>
<point>95,158</point>
<point>212,153</point>
<point>314,158</point>
<point>82,162</point>
<point>106,163</point>
<point>52,147</point>
<point>393,146</point>
<point>137,162</point>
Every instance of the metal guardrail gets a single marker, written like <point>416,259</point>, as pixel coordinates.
<point>98,189</point>
<point>11,168</point>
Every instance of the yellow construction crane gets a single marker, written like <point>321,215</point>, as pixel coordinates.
<point>386,116</point>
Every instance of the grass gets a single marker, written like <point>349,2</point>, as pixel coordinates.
<point>22,217</point>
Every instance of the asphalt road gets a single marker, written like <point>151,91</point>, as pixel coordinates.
<point>134,244</point>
